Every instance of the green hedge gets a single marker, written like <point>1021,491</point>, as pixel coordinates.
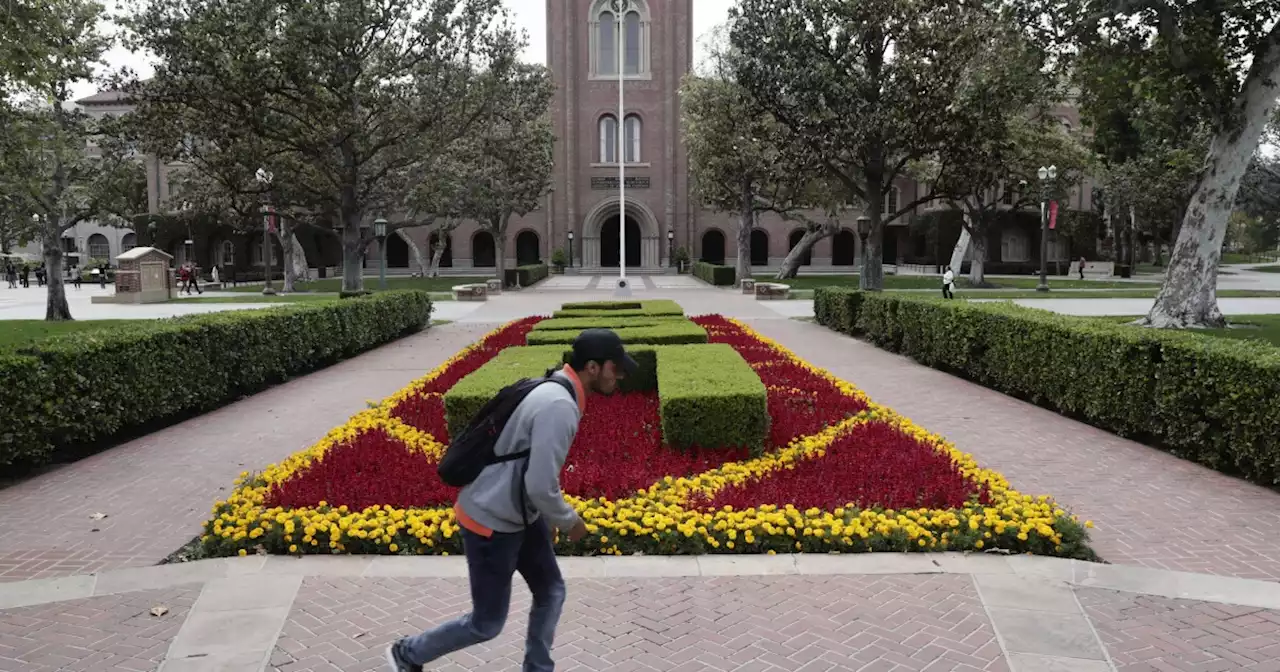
<point>672,332</point>
<point>580,323</point>
<point>603,305</point>
<point>654,308</point>
<point>714,274</point>
<point>1210,400</point>
<point>85,387</point>
<point>528,275</point>
<point>713,397</point>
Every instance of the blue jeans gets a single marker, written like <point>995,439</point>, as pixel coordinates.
<point>491,563</point>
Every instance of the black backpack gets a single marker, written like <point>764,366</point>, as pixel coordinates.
<point>472,450</point>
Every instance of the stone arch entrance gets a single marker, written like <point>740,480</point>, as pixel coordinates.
<point>602,230</point>
<point>713,247</point>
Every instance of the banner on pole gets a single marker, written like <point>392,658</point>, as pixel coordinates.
<point>1053,214</point>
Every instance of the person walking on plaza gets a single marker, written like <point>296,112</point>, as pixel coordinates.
<point>11,274</point>
<point>508,461</point>
<point>948,279</point>
<point>1082,262</point>
<point>26,277</point>
<point>75,276</point>
<point>102,277</point>
<point>40,275</point>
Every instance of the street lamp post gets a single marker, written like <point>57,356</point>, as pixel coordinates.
<point>620,8</point>
<point>1046,175</point>
<point>189,250</point>
<point>671,247</point>
<point>380,232</point>
<point>264,178</point>
<point>570,249</point>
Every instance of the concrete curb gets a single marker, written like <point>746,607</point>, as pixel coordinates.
<point>1054,571</point>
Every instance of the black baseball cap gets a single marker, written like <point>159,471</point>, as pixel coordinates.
<point>602,345</point>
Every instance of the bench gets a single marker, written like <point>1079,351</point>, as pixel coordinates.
<point>474,292</point>
<point>494,285</point>
<point>748,286</point>
<point>1093,269</point>
<point>772,291</point>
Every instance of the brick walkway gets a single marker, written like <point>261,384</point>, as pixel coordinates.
<point>157,490</point>
<point>114,632</point>
<point>735,623</point>
<point>1151,509</point>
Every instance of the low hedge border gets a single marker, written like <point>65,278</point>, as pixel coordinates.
<point>82,388</point>
<point>715,274</point>
<point>653,308</point>
<point>713,396</point>
<point>527,275</point>
<point>1212,401</point>
<point>604,322</point>
<point>673,332</point>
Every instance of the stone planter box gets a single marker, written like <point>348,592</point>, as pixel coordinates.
<point>475,292</point>
<point>748,286</point>
<point>772,291</point>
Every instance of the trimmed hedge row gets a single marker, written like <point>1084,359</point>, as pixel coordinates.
<point>527,275</point>
<point>709,396</point>
<point>654,308</point>
<point>714,274</point>
<point>1213,401</point>
<point>580,323</point>
<point>82,388</point>
<point>673,331</point>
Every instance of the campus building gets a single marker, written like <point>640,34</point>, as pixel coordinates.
<point>662,210</point>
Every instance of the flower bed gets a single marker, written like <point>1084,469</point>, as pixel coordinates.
<point>838,473</point>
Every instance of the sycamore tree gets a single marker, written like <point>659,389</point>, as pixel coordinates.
<point>353,95</point>
<point>512,151</point>
<point>868,87</point>
<point>441,195</point>
<point>65,166</point>
<point>1221,62</point>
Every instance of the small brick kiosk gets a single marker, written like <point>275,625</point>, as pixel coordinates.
<point>144,276</point>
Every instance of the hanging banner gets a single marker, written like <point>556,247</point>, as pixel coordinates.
<point>269,218</point>
<point>1053,214</point>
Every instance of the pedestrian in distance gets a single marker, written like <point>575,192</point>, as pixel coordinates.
<point>507,462</point>
<point>948,279</point>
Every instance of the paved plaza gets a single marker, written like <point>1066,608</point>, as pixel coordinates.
<point>1192,585</point>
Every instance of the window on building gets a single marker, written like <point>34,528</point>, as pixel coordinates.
<point>607,56</point>
<point>1007,198</point>
<point>889,206</point>
<point>608,139</point>
<point>227,254</point>
<point>1015,245</point>
<point>632,129</point>
<point>129,242</point>
<point>99,248</point>
<point>632,43</point>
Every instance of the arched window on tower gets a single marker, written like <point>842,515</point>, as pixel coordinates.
<point>622,34</point>
<point>608,139</point>
<point>632,127</point>
<point>606,54</point>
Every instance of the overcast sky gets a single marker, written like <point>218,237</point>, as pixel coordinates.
<point>531,15</point>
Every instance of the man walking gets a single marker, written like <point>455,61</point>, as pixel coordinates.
<point>507,528</point>
<point>948,279</point>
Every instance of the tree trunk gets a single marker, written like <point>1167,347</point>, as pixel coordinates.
<point>871,276</point>
<point>423,262</point>
<point>961,248</point>
<point>977,265</point>
<point>791,263</point>
<point>1189,295</point>
<point>746,222</point>
<point>285,235</point>
<point>352,258</point>
<point>499,232</point>
<point>56,307</point>
<point>436,255</point>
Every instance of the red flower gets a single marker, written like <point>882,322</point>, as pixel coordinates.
<point>873,465</point>
<point>371,470</point>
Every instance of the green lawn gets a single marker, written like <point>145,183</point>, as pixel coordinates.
<point>1274,268</point>
<point>932,282</point>
<point>305,297</point>
<point>334,285</point>
<point>1243,327</point>
<point>1238,258</point>
<point>1067,293</point>
<point>18,333</point>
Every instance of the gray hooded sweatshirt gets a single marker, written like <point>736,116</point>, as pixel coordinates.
<point>545,424</point>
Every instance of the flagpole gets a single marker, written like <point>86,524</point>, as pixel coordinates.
<point>620,7</point>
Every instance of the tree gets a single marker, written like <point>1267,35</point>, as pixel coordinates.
<point>869,87</point>
<point>353,95</point>
<point>994,166</point>
<point>512,155</point>
<point>65,166</point>
<point>1218,61</point>
<point>16,227</point>
<point>441,196</point>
